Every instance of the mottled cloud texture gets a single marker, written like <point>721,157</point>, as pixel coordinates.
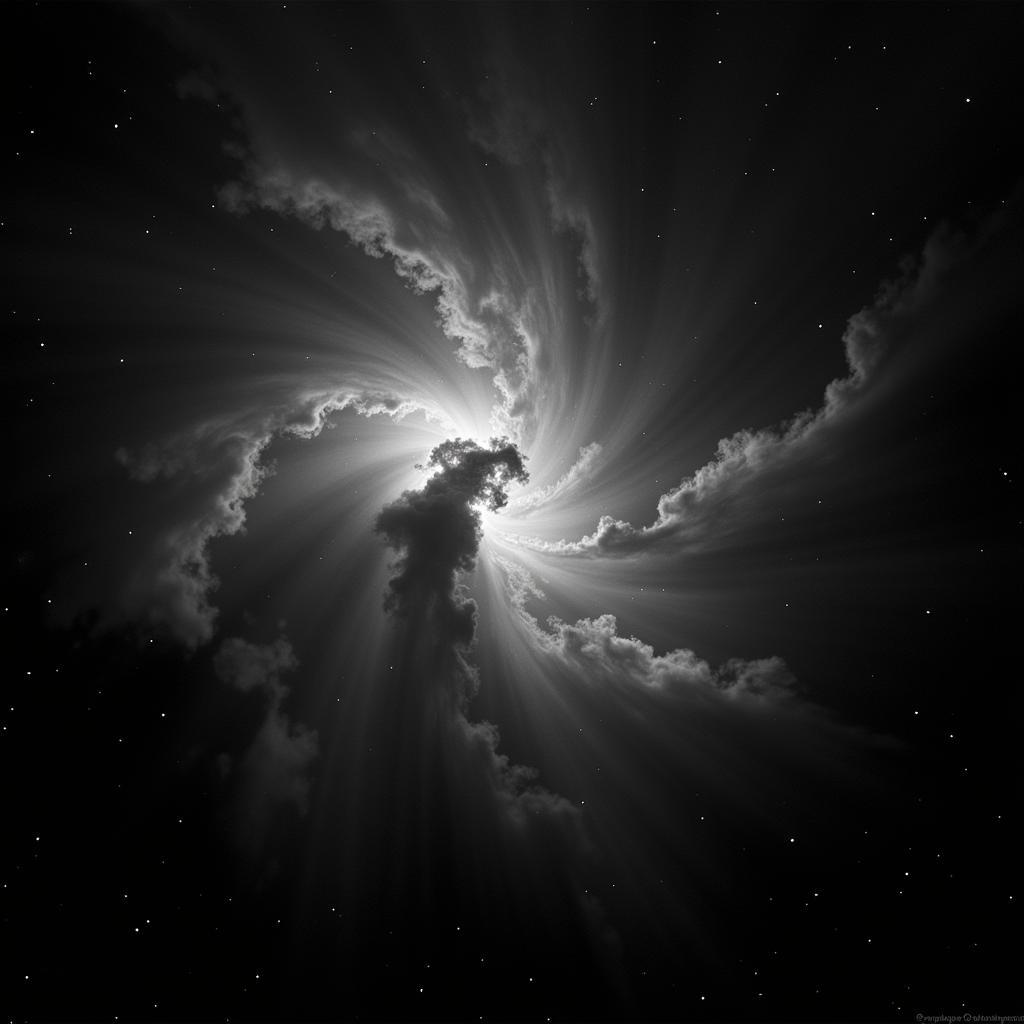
<point>593,647</point>
<point>594,644</point>
<point>273,773</point>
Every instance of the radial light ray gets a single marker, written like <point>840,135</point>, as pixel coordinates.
<point>513,511</point>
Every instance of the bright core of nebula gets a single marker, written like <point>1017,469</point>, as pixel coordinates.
<point>529,495</point>
<point>494,322</point>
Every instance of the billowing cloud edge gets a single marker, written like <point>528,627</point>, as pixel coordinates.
<point>221,458</point>
<point>718,498</point>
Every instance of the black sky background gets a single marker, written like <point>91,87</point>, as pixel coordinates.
<point>702,196</point>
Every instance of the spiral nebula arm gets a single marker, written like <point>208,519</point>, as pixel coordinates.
<point>550,499</point>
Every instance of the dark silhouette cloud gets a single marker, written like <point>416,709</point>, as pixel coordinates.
<point>437,531</point>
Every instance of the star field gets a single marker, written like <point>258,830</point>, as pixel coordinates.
<point>511,512</point>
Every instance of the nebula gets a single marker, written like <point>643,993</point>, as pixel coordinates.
<point>514,511</point>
